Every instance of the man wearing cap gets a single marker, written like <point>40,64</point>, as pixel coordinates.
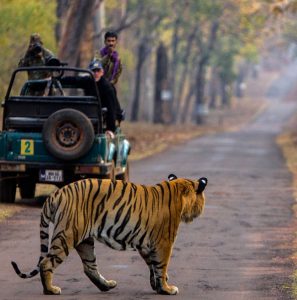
<point>36,55</point>
<point>105,89</point>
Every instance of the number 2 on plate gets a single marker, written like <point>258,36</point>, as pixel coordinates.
<point>27,147</point>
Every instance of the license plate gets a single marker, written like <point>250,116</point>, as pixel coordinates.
<point>51,175</point>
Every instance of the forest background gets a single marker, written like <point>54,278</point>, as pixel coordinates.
<point>181,59</point>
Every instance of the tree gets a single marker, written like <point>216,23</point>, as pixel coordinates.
<point>161,81</point>
<point>79,14</point>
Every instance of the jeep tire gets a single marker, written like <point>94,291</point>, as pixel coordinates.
<point>68,134</point>
<point>7,187</point>
<point>27,188</point>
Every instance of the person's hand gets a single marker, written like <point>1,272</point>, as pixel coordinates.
<point>110,50</point>
<point>109,134</point>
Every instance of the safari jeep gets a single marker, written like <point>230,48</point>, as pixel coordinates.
<point>55,134</point>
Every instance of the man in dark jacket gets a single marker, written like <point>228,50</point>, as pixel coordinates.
<point>106,92</point>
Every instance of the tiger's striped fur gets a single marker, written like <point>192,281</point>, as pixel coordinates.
<point>121,215</point>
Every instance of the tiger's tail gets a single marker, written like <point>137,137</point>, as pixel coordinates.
<point>45,219</point>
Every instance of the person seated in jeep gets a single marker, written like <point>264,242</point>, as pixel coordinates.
<point>106,92</point>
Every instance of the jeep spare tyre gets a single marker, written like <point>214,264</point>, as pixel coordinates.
<point>68,134</point>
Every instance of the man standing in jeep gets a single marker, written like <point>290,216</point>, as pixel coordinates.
<point>110,58</point>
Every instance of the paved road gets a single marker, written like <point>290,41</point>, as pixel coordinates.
<point>239,249</point>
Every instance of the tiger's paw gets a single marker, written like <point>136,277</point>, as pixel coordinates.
<point>107,285</point>
<point>168,290</point>
<point>54,290</point>
<point>111,283</point>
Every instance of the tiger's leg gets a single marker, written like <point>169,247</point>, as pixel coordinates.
<point>159,258</point>
<point>147,258</point>
<point>58,252</point>
<point>86,251</point>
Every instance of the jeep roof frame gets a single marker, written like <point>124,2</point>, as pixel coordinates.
<point>57,69</point>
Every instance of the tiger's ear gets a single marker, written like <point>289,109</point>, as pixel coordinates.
<point>202,184</point>
<point>172,177</point>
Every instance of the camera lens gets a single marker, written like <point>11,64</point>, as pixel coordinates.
<point>36,48</point>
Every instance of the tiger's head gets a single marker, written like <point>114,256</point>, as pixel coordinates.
<point>191,196</point>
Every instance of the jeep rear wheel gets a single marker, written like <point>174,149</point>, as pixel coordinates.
<point>68,134</point>
<point>7,187</point>
<point>27,188</point>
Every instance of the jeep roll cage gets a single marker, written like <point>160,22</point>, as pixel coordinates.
<point>43,100</point>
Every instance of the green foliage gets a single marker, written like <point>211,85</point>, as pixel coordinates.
<point>19,19</point>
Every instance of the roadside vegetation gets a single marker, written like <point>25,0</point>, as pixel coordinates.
<point>288,143</point>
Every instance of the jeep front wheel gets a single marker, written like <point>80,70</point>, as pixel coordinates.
<point>68,134</point>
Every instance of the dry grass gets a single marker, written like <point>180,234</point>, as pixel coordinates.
<point>7,210</point>
<point>288,143</point>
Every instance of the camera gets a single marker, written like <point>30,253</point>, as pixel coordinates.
<point>52,62</point>
<point>35,49</point>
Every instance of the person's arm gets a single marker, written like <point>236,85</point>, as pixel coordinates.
<point>24,61</point>
<point>47,54</point>
<point>21,62</point>
<point>117,73</point>
<point>108,99</point>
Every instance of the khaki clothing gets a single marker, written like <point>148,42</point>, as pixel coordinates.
<point>29,61</point>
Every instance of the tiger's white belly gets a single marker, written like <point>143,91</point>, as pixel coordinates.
<point>112,243</point>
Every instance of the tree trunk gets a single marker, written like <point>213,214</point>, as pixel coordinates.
<point>99,25</point>
<point>200,82</point>
<point>77,20</point>
<point>226,93</point>
<point>200,75</point>
<point>61,13</point>
<point>213,88</point>
<point>185,110</point>
<point>161,82</point>
<point>140,60</point>
<point>173,64</point>
<point>183,77</point>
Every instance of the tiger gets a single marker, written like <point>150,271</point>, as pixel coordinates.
<point>122,215</point>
